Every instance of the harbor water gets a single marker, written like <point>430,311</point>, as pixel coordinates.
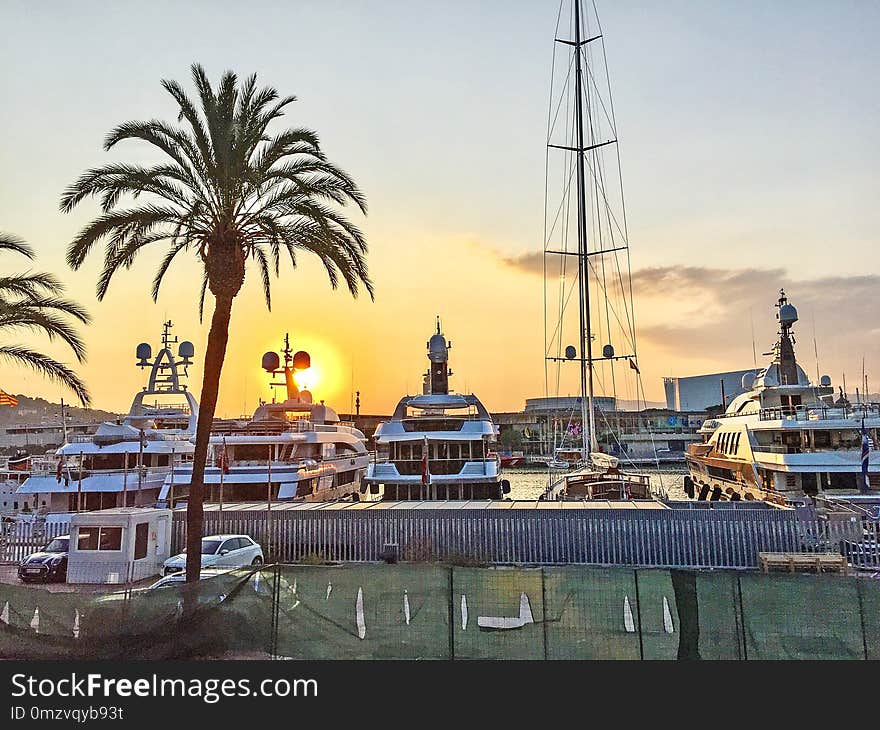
<point>529,483</point>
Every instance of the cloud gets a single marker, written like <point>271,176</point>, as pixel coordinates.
<point>692,317</point>
<point>530,263</point>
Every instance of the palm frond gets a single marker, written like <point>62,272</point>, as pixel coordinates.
<point>8,242</point>
<point>230,189</point>
<point>45,365</point>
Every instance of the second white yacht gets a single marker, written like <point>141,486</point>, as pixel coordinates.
<point>295,450</point>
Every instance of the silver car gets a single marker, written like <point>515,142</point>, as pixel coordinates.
<point>220,551</point>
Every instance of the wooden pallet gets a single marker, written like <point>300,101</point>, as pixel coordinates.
<point>804,561</point>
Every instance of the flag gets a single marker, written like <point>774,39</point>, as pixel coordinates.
<point>7,399</point>
<point>426,475</point>
<point>58,469</point>
<point>632,364</point>
<point>866,485</point>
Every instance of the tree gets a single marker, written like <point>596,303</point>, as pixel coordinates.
<point>231,193</point>
<point>32,302</point>
<point>511,439</point>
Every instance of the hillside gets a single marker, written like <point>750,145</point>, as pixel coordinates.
<point>40,412</point>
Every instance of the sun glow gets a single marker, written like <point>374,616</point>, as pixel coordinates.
<point>306,379</point>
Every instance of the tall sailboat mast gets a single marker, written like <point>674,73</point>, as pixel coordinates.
<point>588,424</point>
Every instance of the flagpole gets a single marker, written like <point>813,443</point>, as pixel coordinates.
<point>222,472</point>
<point>79,484</point>
<point>269,505</point>
<point>171,488</point>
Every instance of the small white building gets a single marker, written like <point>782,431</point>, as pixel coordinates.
<point>119,545</point>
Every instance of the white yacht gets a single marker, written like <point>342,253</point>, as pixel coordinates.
<point>437,445</point>
<point>299,447</point>
<point>787,438</point>
<point>125,463</point>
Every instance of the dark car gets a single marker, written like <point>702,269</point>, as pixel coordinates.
<point>48,564</point>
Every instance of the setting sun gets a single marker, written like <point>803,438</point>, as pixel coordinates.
<point>307,379</point>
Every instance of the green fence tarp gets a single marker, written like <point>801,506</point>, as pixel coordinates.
<point>360,612</point>
<point>801,617</point>
<point>508,602</point>
<point>869,590</point>
<point>719,623</point>
<point>592,613</point>
<point>431,611</point>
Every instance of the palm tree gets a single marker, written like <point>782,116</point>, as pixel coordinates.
<point>230,193</point>
<point>32,301</point>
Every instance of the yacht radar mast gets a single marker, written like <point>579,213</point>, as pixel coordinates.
<point>293,363</point>
<point>787,316</point>
<point>437,377</point>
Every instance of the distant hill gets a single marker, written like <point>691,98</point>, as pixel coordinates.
<point>40,412</point>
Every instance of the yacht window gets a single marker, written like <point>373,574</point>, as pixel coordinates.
<point>346,477</point>
<point>250,452</point>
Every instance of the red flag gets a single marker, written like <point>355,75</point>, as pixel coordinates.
<point>58,469</point>
<point>6,399</point>
<point>632,364</point>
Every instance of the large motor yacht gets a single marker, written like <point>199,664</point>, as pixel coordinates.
<point>124,463</point>
<point>786,438</point>
<point>437,445</point>
<point>299,447</point>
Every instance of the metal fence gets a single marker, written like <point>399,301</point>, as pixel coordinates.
<point>650,538</point>
<point>663,538</point>
<point>20,539</point>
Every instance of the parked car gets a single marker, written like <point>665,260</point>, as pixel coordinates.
<point>220,551</point>
<point>48,564</point>
<point>176,579</point>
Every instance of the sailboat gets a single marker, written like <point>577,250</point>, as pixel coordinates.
<point>592,211</point>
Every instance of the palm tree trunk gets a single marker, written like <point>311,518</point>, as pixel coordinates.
<point>214,356</point>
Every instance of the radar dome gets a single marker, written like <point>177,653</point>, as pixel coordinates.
<point>788,314</point>
<point>305,396</point>
<point>825,381</point>
<point>302,360</point>
<point>570,352</point>
<point>748,380</point>
<point>144,352</point>
<point>271,361</point>
<point>608,351</point>
<point>186,350</point>
<point>437,350</point>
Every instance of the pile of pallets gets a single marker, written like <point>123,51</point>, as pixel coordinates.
<point>804,561</point>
